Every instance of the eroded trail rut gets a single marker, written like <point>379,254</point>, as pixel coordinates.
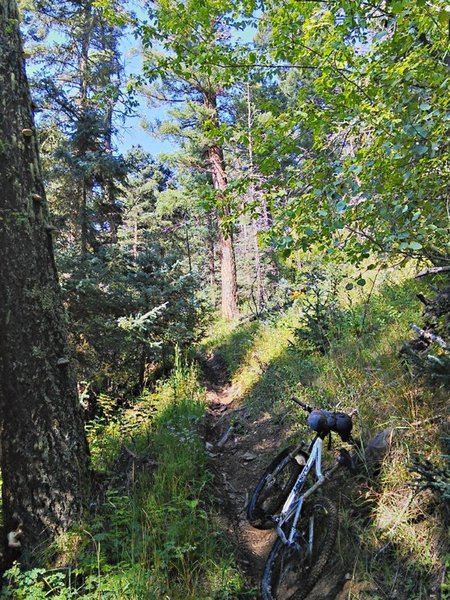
<point>237,444</point>
<point>233,441</point>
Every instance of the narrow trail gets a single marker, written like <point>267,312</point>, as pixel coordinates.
<point>232,438</point>
<point>236,442</point>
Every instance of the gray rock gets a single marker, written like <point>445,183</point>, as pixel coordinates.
<point>378,447</point>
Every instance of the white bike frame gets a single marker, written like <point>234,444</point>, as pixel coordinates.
<point>294,501</point>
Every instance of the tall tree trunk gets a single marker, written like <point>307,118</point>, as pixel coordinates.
<point>86,32</point>
<point>113,214</point>
<point>44,456</point>
<point>260,292</point>
<point>86,184</point>
<point>212,228</point>
<point>259,300</point>
<point>226,245</point>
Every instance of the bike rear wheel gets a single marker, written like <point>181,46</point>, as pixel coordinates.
<point>291,572</point>
<point>274,487</point>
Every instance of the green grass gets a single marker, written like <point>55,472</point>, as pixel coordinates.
<point>399,531</point>
<point>154,534</point>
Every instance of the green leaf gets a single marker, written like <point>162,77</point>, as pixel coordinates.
<point>422,131</point>
<point>397,6</point>
<point>415,245</point>
<point>444,17</point>
<point>420,149</point>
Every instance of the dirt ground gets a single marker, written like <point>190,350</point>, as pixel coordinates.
<point>237,445</point>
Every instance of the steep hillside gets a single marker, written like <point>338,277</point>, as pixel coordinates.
<point>174,468</point>
<point>392,541</point>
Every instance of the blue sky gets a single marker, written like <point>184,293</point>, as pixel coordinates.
<point>134,133</point>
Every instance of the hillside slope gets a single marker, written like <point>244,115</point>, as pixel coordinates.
<point>392,541</point>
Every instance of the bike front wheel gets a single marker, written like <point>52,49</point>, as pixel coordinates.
<point>274,487</point>
<point>292,571</point>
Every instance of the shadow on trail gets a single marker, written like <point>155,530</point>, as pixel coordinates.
<point>230,351</point>
<point>261,421</point>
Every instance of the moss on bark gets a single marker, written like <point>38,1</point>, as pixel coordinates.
<point>44,457</point>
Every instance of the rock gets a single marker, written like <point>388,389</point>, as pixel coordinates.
<point>378,447</point>
<point>248,456</point>
<point>223,440</point>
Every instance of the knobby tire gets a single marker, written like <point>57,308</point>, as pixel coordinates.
<point>290,574</point>
<point>273,488</point>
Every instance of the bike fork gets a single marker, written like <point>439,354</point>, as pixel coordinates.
<point>311,535</point>
<point>290,539</point>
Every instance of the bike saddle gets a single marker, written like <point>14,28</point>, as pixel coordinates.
<point>324,421</point>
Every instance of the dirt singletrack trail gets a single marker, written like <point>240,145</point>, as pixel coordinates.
<point>233,440</point>
<point>237,445</point>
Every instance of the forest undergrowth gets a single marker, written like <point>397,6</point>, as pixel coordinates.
<point>158,521</point>
<point>152,531</point>
<point>343,350</point>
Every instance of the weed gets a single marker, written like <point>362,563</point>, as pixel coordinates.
<point>399,532</point>
<point>154,537</point>
<point>319,310</point>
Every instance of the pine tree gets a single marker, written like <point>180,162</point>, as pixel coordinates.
<point>77,80</point>
<point>44,457</point>
<point>181,74</point>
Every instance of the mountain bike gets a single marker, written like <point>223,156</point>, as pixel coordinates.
<point>306,525</point>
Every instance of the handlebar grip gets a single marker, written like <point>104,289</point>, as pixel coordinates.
<point>305,407</point>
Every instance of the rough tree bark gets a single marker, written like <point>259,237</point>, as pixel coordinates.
<point>259,278</point>
<point>227,256</point>
<point>44,455</point>
<point>211,244</point>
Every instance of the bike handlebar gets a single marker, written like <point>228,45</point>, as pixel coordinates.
<point>309,409</point>
<point>305,407</point>
<point>325,421</point>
